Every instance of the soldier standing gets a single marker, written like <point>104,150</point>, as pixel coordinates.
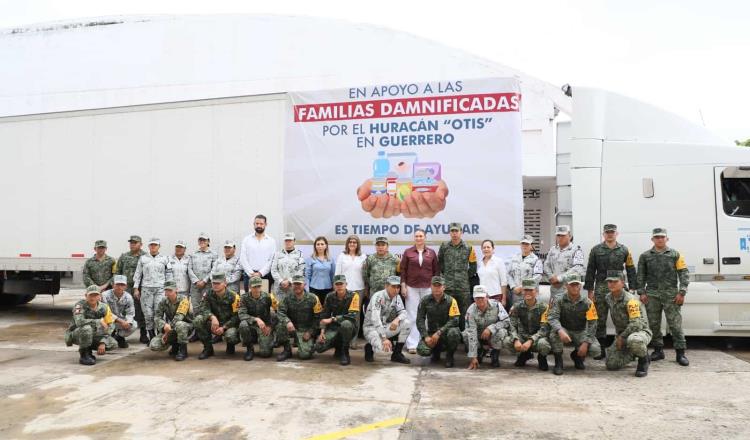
<point>564,259</point>
<point>199,269</point>
<point>524,265</point>
<point>173,320</point>
<point>299,316</point>
<point>385,320</point>
<point>218,316</point>
<point>152,272</point>
<point>98,270</point>
<point>126,265</point>
<point>437,321</point>
<point>458,263</point>
<point>379,267</point>
<point>121,304</point>
<point>285,264</point>
<point>90,327</point>
<point>529,327</point>
<point>632,333</point>
<point>573,320</point>
<point>229,263</point>
<point>605,256</point>
<point>663,279</point>
<point>487,325</point>
<point>338,320</point>
<point>257,314</point>
<point>180,262</point>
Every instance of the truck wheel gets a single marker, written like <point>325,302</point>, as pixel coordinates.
<point>10,300</point>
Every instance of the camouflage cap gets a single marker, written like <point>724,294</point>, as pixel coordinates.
<point>288,236</point>
<point>615,275</point>
<point>528,284</point>
<point>170,285</point>
<point>393,280</point>
<point>180,243</point>
<point>338,279</point>
<point>455,226</point>
<point>154,241</point>
<point>92,289</point>
<point>100,243</point>
<point>609,227</point>
<point>574,279</point>
<point>480,291</point>
<point>229,243</point>
<point>218,277</point>
<point>120,279</point>
<point>299,279</point>
<point>562,230</point>
<point>659,232</point>
<point>135,239</point>
<point>203,236</point>
<point>438,279</point>
<point>528,239</point>
<point>381,240</point>
<point>256,281</point>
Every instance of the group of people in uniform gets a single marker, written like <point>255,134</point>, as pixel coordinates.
<point>179,298</point>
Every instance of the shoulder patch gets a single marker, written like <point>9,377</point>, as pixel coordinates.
<point>578,257</point>
<point>236,303</point>
<point>543,318</point>
<point>472,255</point>
<point>680,263</point>
<point>634,308</point>
<point>317,308</point>
<point>591,313</point>
<point>453,311</point>
<point>108,318</point>
<point>629,260</point>
<point>184,306</point>
<point>78,309</point>
<point>354,305</point>
<point>274,302</point>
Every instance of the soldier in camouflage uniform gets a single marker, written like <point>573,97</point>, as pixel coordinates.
<point>378,267</point>
<point>529,328</point>
<point>605,256</point>
<point>152,272</point>
<point>218,316</point>
<point>663,279</point>
<point>126,265</point>
<point>458,263</point>
<point>90,327</point>
<point>523,265</point>
<point>257,314</point>
<point>437,322</point>
<point>199,269</point>
<point>632,332</point>
<point>572,320</point>
<point>98,270</point>
<point>173,320</point>
<point>229,263</point>
<point>121,304</point>
<point>179,263</point>
<point>563,260</point>
<point>386,325</point>
<point>487,325</point>
<point>285,264</point>
<point>299,316</point>
<point>338,320</point>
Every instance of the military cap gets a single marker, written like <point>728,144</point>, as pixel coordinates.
<point>455,226</point>
<point>92,289</point>
<point>393,280</point>
<point>381,240</point>
<point>562,230</point>
<point>438,279</point>
<point>301,278</point>
<point>609,227</point>
<point>528,239</point>
<point>180,243</point>
<point>170,285</point>
<point>256,281</point>
<point>659,232</point>
<point>288,236</point>
<point>203,236</point>
<point>528,284</point>
<point>229,243</point>
<point>100,243</point>
<point>154,241</point>
<point>135,239</point>
<point>120,279</point>
<point>480,291</point>
<point>339,279</point>
<point>218,277</point>
<point>614,275</point>
<point>574,279</point>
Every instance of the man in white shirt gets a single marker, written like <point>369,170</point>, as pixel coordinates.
<point>256,253</point>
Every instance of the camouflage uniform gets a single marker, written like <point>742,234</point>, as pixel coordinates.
<point>380,312</point>
<point>563,263</point>
<point>458,263</point>
<point>180,274</point>
<point>345,312</point>
<point>433,316</point>
<point>122,308</point>
<point>285,265</point>
<point>225,309</point>
<point>494,318</point>
<point>662,276</point>
<point>521,268</point>
<point>126,265</point>
<point>530,323</point>
<point>304,313</point>
<point>179,316</point>
<point>628,315</point>
<point>150,275</point>
<point>377,269</point>
<point>98,272</point>
<point>85,329</point>
<point>199,269</point>
<point>578,319</point>
<point>232,269</point>
<point>263,307</point>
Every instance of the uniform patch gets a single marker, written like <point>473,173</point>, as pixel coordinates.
<point>591,313</point>
<point>274,302</point>
<point>543,318</point>
<point>472,256</point>
<point>108,318</point>
<point>629,260</point>
<point>236,303</point>
<point>634,309</point>
<point>578,257</point>
<point>77,309</point>
<point>318,308</point>
<point>453,311</point>
<point>354,305</point>
<point>680,264</point>
<point>184,307</point>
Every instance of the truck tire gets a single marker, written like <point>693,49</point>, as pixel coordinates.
<point>11,300</point>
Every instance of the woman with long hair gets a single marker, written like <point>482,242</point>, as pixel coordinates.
<point>320,269</point>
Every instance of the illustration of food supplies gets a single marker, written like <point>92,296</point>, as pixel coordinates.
<point>398,174</point>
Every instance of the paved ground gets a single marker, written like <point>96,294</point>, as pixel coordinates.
<point>134,393</point>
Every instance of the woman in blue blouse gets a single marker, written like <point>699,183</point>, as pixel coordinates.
<point>319,269</point>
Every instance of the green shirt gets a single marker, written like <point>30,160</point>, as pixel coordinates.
<point>440,315</point>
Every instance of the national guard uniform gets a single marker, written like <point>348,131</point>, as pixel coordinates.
<point>458,263</point>
<point>521,268</point>
<point>224,308</point>
<point>199,269</point>
<point>662,275</point>
<point>179,316</point>
<point>579,320</point>
<point>284,266</point>
<point>86,329</point>
<point>601,260</point>
<point>381,311</point>
<point>231,267</point>
<point>99,272</point>
<point>150,275</point>
<point>341,330</point>
<point>529,322</point>
<point>304,313</point>
<point>252,308</point>
<point>441,317</point>
<point>126,265</point>
<point>563,262</point>
<point>122,308</point>
<point>494,318</point>
<point>180,271</point>
<point>629,316</point>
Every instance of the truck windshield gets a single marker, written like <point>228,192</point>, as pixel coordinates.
<point>735,191</point>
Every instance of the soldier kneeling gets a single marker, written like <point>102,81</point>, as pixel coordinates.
<point>257,314</point>
<point>90,327</point>
<point>631,326</point>
<point>437,321</point>
<point>487,325</point>
<point>386,320</point>
<point>529,327</point>
<point>173,323</point>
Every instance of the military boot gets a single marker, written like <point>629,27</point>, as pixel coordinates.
<point>495,358</point>
<point>345,359</point>
<point>151,335</point>
<point>181,352</point>
<point>657,354</point>
<point>522,358</point>
<point>435,357</point>
<point>558,369</point>
<point>542,362</point>
<point>144,337</point>
<point>369,354</point>
<point>577,361</point>
<point>85,357</point>
<point>121,342</point>
<point>230,348</point>
<point>174,350</point>
<point>642,369</point>
<point>208,351</point>
<point>449,359</point>
<point>603,344</point>
<point>398,354</point>
<point>480,355</point>
<point>680,357</point>
<point>337,351</point>
<point>285,354</point>
<point>249,353</point>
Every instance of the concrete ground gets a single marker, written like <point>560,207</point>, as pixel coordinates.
<point>135,393</point>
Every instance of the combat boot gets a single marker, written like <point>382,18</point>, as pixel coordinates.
<point>435,357</point>
<point>151,335</point>
<point>642,369</point>
<point>345,359</point>
<point>85,357</point>
<point>449,359</point>
<point>495,358</point>
<point>121,342</point>
<point>285,354</point>
<point>577,361</point>
<point>398,354</point>
<point>230,348</point>
<point>369,355</point>
<point>603,344</point>
<point>657,354</point>
<point>337,351</point>
<point>680,358</point>
<point>174,350</point>
<point>541,361</point>
<point>249,353</point>
<point>558,369</point>
<point>208,351</point>
<point>480,355</point>
<point>522,358</point>
<point>144,337</point>
<point>181,352</point>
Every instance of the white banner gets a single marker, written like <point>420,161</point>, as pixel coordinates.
<point>385,160</point>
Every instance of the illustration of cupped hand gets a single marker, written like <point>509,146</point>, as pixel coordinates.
<point>410,204</point>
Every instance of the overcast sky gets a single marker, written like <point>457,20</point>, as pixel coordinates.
<point>690,56</point>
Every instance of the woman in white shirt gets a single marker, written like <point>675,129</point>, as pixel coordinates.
<point>492,273</point>
<point>349,264</point>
